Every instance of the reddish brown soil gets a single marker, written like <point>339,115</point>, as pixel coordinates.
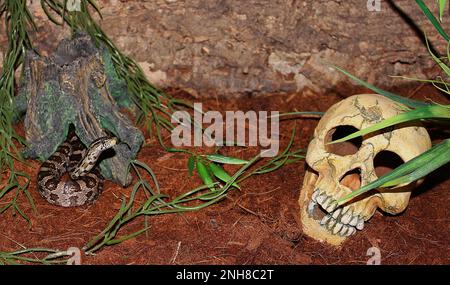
<point>258,225</point>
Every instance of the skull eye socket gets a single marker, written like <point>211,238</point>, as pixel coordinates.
<point>385,161</point>
<point>343,148</point>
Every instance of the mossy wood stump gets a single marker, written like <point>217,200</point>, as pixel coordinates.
<point>77,86</point>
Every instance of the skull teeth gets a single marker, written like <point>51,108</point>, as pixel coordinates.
<point>325,220</point>
<point>337,228</point>
<point>314,195</point>
<point>331,206</point>
<point>331,224</point>
<point>336,213</point>
<point>339,221</point>
<point>350,231</point>
<point>360,225</point>
<point>354,221</point>
<point>321,198</point>
<point>345,210</point>
<point>311,206</point>
<point>343,230</point>
<point>347,217</point>
<point>325,203</point>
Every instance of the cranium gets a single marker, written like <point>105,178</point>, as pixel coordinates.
<point>335,170</point>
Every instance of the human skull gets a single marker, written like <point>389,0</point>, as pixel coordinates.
<point>335,170</point>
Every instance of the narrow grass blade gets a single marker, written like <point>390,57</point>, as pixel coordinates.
<point>412,170</point>
<point>149,171</point>
<point>422,80</point>
<point>97,9</point>
<point>442,4</point>
<point>426,112</point>
<point>439,158</point>
<point>225,159</point>
<point>441,64</point>
<point>406,101</point>
<point>127,237</point>
<point>433,20</point>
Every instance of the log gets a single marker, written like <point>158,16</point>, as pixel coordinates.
<point>75,86</point>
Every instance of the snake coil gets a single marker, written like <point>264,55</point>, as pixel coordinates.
<point>84,182</point>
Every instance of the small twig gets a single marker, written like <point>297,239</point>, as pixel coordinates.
<point>177,250</point>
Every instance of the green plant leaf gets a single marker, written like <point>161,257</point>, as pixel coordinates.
<point>97,9</point>
<point>204,175</point>
<point>412,170</point>
<point>220,173</point>
<point>49,14</point>
<point>448,51</point>
<point>427,112</point>
<point>225,159</point>
<point>442,4</point>
<point>444,67</point>
<point>422,80</point>
<point>433,20</point>
<point>191,165</point>
<point>406,101</point>
<point>127,237</point>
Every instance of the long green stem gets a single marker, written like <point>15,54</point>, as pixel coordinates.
<point>17,18</point>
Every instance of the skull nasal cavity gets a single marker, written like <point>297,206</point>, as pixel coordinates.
<point>343,148</point>
<point>352,179</point>
<point>386,161</point>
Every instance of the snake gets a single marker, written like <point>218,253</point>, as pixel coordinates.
<point>70,177</point>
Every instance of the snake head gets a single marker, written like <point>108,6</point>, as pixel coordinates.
<point>91,156</point>
<point>111,135</point>
<point>118,141</point>
<point>103,143</point>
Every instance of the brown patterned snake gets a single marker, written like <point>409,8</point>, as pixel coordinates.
<point>84,182</point>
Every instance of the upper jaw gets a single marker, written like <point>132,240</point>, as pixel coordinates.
<point>337,220</point>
